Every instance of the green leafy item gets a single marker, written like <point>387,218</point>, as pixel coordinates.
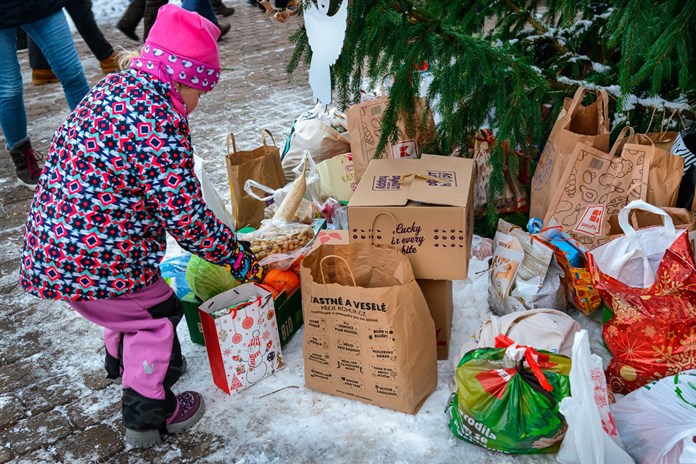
<point>207,279</point>
<point>501,405</point>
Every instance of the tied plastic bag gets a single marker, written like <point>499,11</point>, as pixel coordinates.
<point>507,398</point>
<point>304,213</point>
<point>174,273</point>
<point>592,437</point>
<point>657,423</point>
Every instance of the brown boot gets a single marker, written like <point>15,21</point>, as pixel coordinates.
<point>42,76</point>
<point>110,64</point>
<point>224,29</point>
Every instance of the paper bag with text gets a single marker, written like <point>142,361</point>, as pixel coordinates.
<point>597,185</point>
<point>368,331</point>
<point>575,124</point>
<point>365,129</point>
<point>261,164</point>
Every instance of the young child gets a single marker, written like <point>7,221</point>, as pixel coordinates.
<point>119,174</point>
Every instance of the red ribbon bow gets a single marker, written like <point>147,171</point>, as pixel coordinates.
<point>502,341</point>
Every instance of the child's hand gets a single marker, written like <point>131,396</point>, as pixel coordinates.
<point>245,268</point>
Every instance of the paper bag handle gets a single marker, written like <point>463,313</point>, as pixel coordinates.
<point>263,138</point>
<point>251,184</point>
<point>321,267</point>
<point>644,206</point>
<point>230,138</point>
<point>577,99</point>
<point>619,139</point>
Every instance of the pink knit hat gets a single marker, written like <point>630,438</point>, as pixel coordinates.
<point>182,46</point>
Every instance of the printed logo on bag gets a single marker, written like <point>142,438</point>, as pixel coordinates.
<point>591,222</point>
<point>345,327</point>
<point>449,178</point>
<point>349,382</point>
<point>405,149</point>
<point>381,183</point>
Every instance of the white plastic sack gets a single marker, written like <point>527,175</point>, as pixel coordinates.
<point>323,134</point>
<point>657,423</point>
<point>210,195</point>
<point>591,437</point>
<point>634,258</point>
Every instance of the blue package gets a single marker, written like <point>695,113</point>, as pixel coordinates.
<point>174,272</point>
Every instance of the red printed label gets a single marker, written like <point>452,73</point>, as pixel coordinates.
<point>591,221</point>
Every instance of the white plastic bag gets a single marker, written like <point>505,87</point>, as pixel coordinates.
<point>592,437</point>
<point>634,258</point>
<point>657,422</point>
<point>210,195</point>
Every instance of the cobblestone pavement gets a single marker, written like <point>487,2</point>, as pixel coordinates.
<point>45,413</point>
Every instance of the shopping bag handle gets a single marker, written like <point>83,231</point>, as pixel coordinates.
<point>625,225</point>
<point>251,184</point>
<point>620,139</point>
<point>577,99</point>
<point>230,138</point>
<point>530,355</point>
<point>321,267</point>
<point>263,138</point>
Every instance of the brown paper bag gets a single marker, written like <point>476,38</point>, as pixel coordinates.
<point>365,129</point>
<point>261,164</point>
<point>575,124</point>
<point>596,185</point>
<point>513,197</point>
<point>368,331</point>
<point>666,170</point>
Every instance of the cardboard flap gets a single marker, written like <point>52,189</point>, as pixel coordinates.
<point>389,182</point>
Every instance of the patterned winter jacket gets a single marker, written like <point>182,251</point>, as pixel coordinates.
<point>119,173</point>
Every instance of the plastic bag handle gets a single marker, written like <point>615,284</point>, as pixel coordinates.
<point>230,138</point>
<point>263,138</point>
<point>250,184</point>
<point>626,227</point>
<point>321,267</point>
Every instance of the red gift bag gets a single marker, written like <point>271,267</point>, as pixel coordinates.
<point>648,279</point>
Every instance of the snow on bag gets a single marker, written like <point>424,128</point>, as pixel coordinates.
<point>241,337</point>
<point>657,423</point>
<point>507,398</point>
<point>592,437</point>
<point>648,279</point>
<point>368,334</point>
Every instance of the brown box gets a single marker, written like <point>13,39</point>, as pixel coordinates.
<point>365,129</point>
<point>423,207</point>
<point>438,295</point>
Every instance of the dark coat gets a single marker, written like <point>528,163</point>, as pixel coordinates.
<point>15,13</point>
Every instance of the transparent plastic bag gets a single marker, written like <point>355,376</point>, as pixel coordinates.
<point>275,236</point>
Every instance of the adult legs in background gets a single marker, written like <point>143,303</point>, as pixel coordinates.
<point>150,14</point>
<point>81,13</point>
<point>130,19</point>
<point>222,9</point>
<point>53,35</point>
<point>205,9</point>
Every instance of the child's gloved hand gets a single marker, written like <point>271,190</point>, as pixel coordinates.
<point>245,267</point>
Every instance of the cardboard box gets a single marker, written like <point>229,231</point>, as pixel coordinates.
<point>193,319</point>
<point>365,128</point>
<point>423,207</point>
<point>438,295</point>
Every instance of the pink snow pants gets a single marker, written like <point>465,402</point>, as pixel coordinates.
<point>140,331</point>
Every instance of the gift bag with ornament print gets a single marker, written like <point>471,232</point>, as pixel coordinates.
<point>241,337</point>
<point>647,277</point>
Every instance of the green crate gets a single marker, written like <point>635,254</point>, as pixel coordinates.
<point>193,319</point>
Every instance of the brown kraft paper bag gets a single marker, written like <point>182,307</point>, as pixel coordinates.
<point>368,334</point>
<point>365,129</point>
<point>597,185</point>
<point>575,124</point>
<point>261,164</point>
<point>666,170</point>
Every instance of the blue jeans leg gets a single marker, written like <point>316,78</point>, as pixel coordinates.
<point>13,117</point>
<point>202,7</point>
<point>52,35</point>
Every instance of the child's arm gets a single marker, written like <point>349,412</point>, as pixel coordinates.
<point>175,194</point>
